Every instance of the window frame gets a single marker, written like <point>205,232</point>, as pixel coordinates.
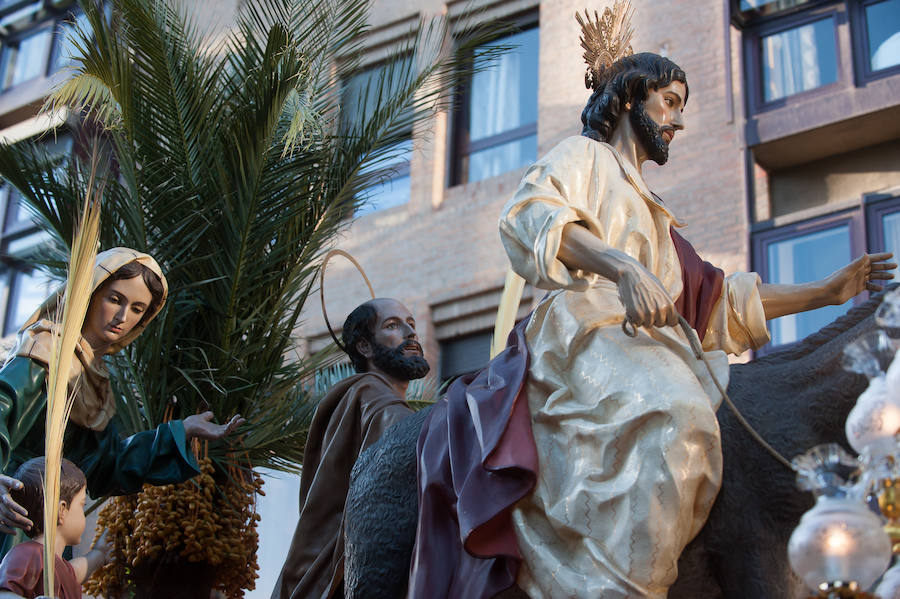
<point>461,148</point>
<point>860,44</point>
<point>766,233</point>
<point>12,267</point>
<point>15,39</point>
<point>775,24</point>
<point>742,21</point>
<point>48,17</point>
<point>875,210</point>
<point>388,172</point>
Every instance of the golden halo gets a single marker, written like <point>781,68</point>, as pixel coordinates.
<point>353,261</point>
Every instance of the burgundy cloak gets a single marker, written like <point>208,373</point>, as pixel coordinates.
<point>477,458</point>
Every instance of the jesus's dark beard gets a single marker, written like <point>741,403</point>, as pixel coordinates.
<point>649,135</point>
<point>395,363</point>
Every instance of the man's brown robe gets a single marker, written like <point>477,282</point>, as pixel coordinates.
<point>351,417</point>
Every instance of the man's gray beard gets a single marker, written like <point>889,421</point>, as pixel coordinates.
<point>394,362</point>
<point>649,134</point>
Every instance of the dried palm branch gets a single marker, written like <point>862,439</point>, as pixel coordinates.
<point>60,396</point>
<point>506,312</point>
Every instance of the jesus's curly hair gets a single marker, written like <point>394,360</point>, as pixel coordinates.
<point>629,79</point>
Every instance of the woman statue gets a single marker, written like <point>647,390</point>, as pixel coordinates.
<point>129,290</point>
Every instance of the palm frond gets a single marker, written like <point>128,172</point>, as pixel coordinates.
<point>229,164</point>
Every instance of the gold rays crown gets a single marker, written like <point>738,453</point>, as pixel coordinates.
<point>606,39</point>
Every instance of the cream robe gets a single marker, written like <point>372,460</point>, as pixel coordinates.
<point>626,431</point>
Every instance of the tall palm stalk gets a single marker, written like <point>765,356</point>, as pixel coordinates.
<point>230,167</point>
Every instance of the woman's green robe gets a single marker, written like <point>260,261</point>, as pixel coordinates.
<point>112,465</point>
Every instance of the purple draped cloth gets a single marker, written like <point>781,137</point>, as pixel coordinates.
<point>477,458</point>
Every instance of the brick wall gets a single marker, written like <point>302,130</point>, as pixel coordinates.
<point>444,244</point>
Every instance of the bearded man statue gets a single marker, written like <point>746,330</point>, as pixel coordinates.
<point>380,338</point>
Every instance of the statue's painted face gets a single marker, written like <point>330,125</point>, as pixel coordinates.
<point>395,347</point>
<point>656,119</point>
<point>115,308</point>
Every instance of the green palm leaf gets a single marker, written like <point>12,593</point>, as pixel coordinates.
<point>229,164</point>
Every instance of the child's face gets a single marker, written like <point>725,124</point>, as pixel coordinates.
<point>71,518</point>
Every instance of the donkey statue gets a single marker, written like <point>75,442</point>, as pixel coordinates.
<point>795,398</point>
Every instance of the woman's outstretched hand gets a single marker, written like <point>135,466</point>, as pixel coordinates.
<point>201,426</point>
<point>12,515</point>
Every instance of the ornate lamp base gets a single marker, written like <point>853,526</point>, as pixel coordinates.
<point>841,590</point>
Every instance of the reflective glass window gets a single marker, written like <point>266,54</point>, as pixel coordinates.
<point>800,259</point>
<point>361,97</point>
<point>501,158</point>
<point>393,186</point>
<point>799,59</point>
<point>504,97</point>
<point>883,29</point>
<point>890,227</point>
<point>501,132</point>
<point>29,290</point>
<point>26,58</point>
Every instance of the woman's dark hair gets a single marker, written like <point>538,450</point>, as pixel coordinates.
<point>151,279</point>
<point>629,79</point>
<point>31,495</point>
<point>358,326</point>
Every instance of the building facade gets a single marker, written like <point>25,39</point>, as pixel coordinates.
<point>789,164</point>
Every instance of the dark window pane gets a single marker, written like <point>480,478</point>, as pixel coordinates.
<point>802,259</point>
<point>26,58</point>
<point>504,97</point>
<point>464,354</point>
<point>502,158</point>
<point>883,25</point>
<point>798,59</point>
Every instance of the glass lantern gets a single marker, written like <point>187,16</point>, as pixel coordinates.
<point>839,543</point>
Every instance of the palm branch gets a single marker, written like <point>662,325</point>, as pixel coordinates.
<point>229,167</point>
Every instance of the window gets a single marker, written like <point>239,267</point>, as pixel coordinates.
<point>796,47</point>
<point>813,249</point>
<point>883,34</point>
<point>25,58</point>
<point>22,286</point>
<point>462,355</point>
<point>497,126</point>
<point>25,287</point>
<point>883,226</point>
<point>392,173</point>
<point>42,48</point>
<point>799,59</point>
